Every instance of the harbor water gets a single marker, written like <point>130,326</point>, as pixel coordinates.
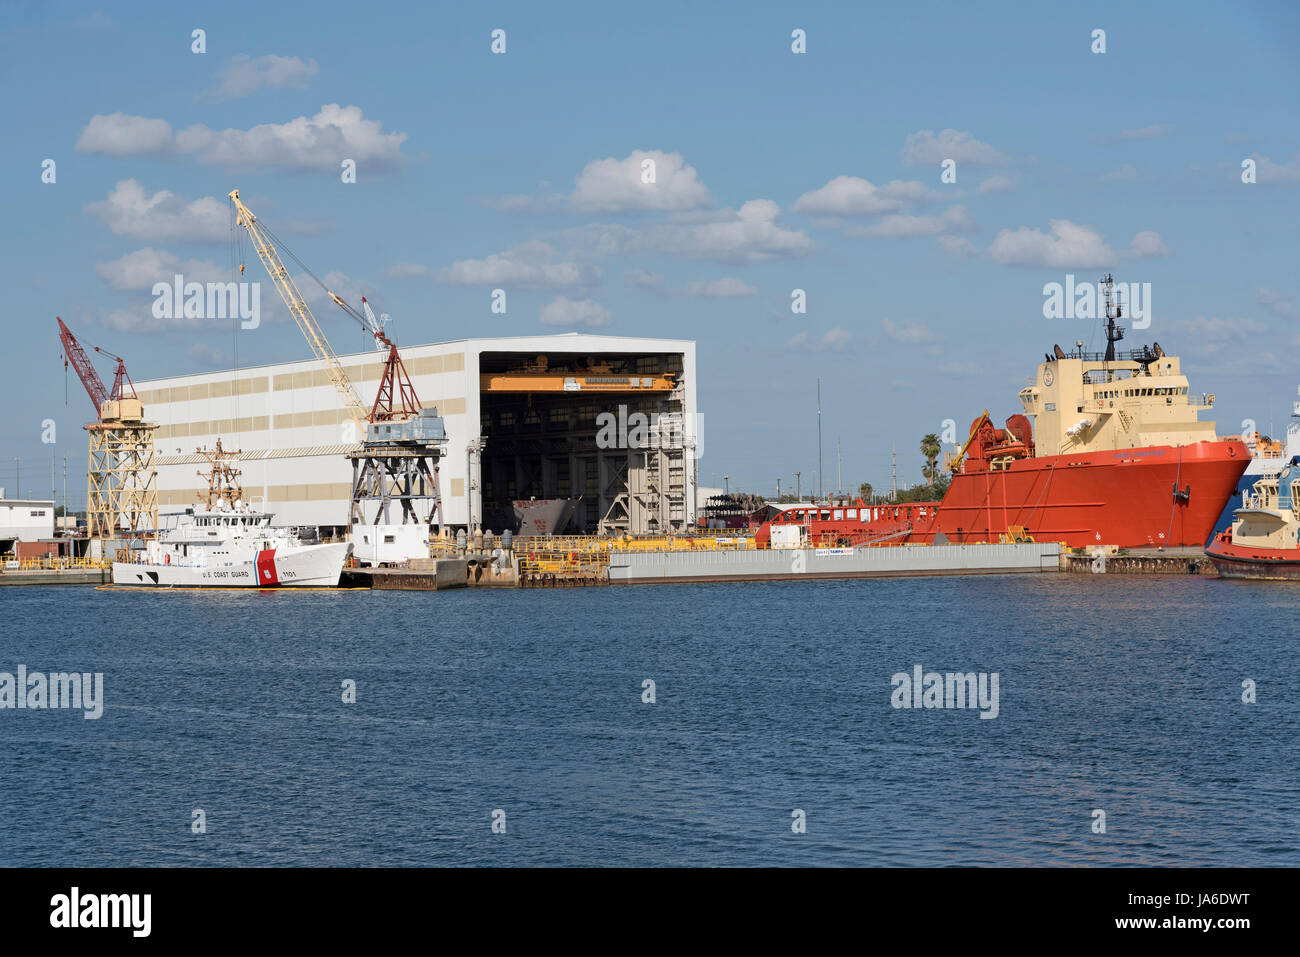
<point>528,709</point>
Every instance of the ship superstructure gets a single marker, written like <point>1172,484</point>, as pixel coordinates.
<point>1109,449</point>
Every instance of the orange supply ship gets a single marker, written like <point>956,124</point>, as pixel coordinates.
<point>1109,451</point>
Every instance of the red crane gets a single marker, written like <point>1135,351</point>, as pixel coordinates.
<point>72,352</point>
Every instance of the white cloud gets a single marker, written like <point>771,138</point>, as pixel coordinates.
<point>997,183</point>
<point>139,270</point>
<point>562,311</point>
<point>615,186</point>
<point>322,141</point>
<point>1147,244</point>
<point>533,264</point>
<point>244,75</point>
<point>955,219</point>
<point>130,211</point>
<point>926,148</point>
<point>854,196</point>
<point>908,332</point>
<point>1067,245</point>
<point>406,271</point>
<point>833,340</point>
<point>119,134</point>
<point>962,369</point>
<point>1278,303</point>
<point>644,279</point>
<point>750,234</point>
<point>958,246</point>
<point>1266,171</point>
<point>720,288</point>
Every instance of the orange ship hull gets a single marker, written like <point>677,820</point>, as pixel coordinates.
<point>1117,497</point>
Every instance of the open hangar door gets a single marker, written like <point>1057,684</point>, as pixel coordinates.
<point>542,466</point>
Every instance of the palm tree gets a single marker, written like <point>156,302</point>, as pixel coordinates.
<point>930,449</point>
<point>864,492</point>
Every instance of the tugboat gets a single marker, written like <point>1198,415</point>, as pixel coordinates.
<point>1267,458</point>
<point>1109,450</point>
<point>1262,542</point>
<point>226,543</point>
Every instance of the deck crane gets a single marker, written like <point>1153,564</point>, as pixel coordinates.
<point>74,354</point>
<point>122,478</point>
<point>398,459</point>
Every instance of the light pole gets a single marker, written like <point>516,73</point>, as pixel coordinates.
<point>798,487</point>
<point>727,485</point>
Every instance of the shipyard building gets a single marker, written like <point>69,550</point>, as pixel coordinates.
<point>527,418</point>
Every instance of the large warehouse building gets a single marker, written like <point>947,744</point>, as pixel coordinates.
<point>523,415</point>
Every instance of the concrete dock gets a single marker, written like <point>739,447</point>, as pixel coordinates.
<point>634,568</point>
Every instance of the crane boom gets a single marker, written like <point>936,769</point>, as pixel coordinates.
<point>72,352</point>
<point>297,305</point>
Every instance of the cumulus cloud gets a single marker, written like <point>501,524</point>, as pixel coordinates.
<point>617,186</point>
<point>562,311</point>
<point>1067,245</point>
<point>244,75</point>
<point>750,234</point>
<point>139,270</point>
<point>406,271</point>
<point>997,183</point>
<point>854,196</point>
<point>1147,244</point>
<point>322,141</point>
<point>720,288</point>
<point>833,340</point>
<point>927,148</point>
<point>533,264</point>
<point>131,211</point>
<point>956,219</point>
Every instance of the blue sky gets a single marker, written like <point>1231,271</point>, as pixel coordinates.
<point>775,171</point>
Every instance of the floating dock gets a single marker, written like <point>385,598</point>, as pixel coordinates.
<point>794,564</point>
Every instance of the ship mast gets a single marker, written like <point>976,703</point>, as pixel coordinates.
<point>1114,310</point>
<point>222,476</point>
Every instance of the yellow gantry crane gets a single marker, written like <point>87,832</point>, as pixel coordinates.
<point>293,299</point>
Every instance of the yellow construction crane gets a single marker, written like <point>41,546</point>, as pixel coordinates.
<point>262,241</point>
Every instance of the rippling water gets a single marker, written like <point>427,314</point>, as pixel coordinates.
<point>1116,693</point>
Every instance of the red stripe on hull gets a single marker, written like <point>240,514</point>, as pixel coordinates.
<point>1122,498</point>
<point>266,573</point>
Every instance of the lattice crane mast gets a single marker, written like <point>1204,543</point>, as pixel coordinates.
<point>264,242</point>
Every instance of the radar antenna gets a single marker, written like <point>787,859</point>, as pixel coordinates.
<point>1114,310</point>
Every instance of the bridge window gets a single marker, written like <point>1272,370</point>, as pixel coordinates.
<point>853,514</point>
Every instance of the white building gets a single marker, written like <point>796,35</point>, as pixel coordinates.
<point>539,440</point>
<point>24,520</point>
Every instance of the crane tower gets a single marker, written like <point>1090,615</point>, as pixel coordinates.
<point>122,479</point>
